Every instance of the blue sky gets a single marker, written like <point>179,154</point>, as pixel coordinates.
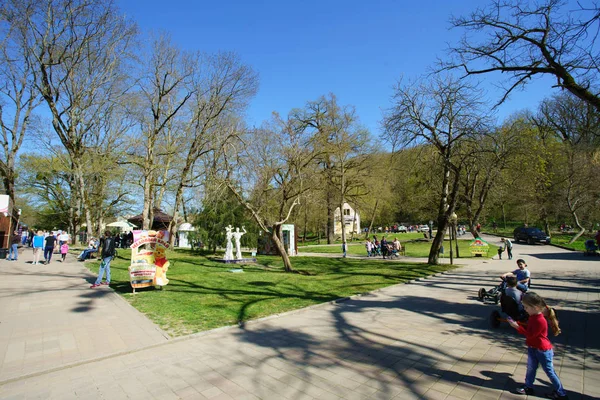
<point>304,49</point>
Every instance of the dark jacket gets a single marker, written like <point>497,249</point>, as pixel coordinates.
<point>15,239</point>
<point>108,246</point>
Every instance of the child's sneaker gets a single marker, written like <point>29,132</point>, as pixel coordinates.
<point>525,390</point>
<point>95,285</point>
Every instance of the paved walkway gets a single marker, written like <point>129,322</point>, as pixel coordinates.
<point>425,340</point>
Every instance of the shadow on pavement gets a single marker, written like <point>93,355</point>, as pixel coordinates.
<point>570,256</point>
<point>388,359</point>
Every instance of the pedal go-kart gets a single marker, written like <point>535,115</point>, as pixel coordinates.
<point>492,295</point>
<point>508,309</point>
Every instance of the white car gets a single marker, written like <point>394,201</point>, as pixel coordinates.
<point>423,228</point>
<point>402,229</point>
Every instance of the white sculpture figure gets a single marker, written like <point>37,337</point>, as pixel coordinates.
<point>237,235</point>
<point>229,249</point>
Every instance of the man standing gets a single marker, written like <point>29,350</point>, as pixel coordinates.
<point>107,253</point>
<point>49,249</point>
<point>508,247</point>
<point>384,247</point>
<point>13,252</point>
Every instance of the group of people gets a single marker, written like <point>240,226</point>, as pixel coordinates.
<point>41,241</point>
<point>383,248</point>
<point>539,348</point>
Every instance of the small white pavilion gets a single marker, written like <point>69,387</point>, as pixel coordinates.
<point>183,231</point>
<point>351,220</point>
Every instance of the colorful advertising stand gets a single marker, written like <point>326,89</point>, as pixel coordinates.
<point>479,247</point>
<point>149,263</point>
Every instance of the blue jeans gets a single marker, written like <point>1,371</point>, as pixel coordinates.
<point>104,266</point>
<point>13,252</point>
<point>522,287</point>
<point>48,253</point>
<point>537,357</point>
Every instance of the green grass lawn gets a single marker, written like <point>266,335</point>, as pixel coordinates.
<point>202,294</point>
<point>413,249</point>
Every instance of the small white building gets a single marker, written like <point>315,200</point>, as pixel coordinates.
<point>351,220</point>
<point>183,231</point>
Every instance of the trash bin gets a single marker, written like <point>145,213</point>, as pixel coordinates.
<point>3,253</point>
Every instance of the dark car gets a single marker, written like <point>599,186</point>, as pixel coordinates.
<point>531,235</point>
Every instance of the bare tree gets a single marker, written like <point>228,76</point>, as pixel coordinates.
<point>268,175</point>
<point>577,124</point>
<point>443,113</point>
<point>342,146</point>
<point>222,88</point>
<point>485,161</point>
<point>163,90</point>
<point>526,39</point>
<point>76,49</point>
<point>18,97</point>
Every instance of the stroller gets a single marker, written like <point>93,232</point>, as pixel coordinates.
<point>591,249</point>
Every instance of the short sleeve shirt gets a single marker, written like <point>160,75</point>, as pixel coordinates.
<point>521,274</point>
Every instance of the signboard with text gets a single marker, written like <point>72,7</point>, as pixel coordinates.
<point>149,263</point>
<point>479,247</point>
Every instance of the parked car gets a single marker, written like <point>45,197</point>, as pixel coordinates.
<point>423,228</point>
<point>402,229</point>
<point>531,235</point>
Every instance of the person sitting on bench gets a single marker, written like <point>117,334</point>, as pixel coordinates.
<point>92,248</point>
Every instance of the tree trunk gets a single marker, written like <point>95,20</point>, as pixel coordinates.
<point>146,221</point>
<point>455,240</point>
<point>330,219</point>
<point>173,223</point>
<point>305,224</point>
<point>372,219</point>
<point>343,222</point>
<point>287,264</point>
<point>577,223</point>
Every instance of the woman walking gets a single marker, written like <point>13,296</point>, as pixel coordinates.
<point>38,244</point>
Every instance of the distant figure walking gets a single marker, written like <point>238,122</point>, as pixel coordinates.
<point>13,252</point>
<point>49,249</point>
<point>64,249</point>
<point>38,245</point>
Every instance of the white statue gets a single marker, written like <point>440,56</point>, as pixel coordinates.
<point>237,235</point>
<point>229,249</point>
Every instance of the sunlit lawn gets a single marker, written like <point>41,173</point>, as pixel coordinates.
<point>413,249</point>
<point>203,294</point>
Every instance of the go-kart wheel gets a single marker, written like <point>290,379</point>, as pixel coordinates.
<point>495,319</point>
<point>497,298</point>
<point>481,294</point>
